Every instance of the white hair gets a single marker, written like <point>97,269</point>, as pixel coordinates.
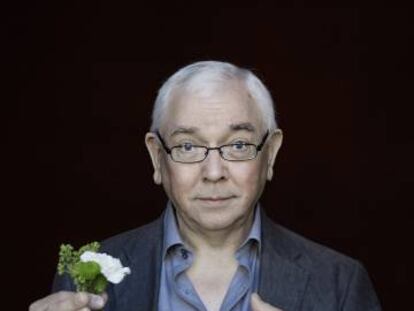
<point>205,77</point>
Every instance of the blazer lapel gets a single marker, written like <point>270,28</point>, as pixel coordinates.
<point>139,291</point>
<point>282,281</point>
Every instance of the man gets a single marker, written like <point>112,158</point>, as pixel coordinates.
<point>213,144</point>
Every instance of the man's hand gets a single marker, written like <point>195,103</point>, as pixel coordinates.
<point>69,301</point>
<point>259,305</point>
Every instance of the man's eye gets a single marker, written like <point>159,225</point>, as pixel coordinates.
<point>187,147</point>
<point>239,146</point>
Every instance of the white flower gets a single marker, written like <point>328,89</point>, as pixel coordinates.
<point>111,267</point>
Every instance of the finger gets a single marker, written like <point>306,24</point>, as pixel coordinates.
<point>97,301</point>
<point>259,305</point>
<point>105,296</point>
<point>72,303</point>
<point>53,299</point>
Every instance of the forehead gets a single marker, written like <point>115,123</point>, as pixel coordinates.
<point>221,108</point>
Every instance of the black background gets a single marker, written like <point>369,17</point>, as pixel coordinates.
<point>81,78</point>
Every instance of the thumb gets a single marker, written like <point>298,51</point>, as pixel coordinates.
<point>259,305</point>
<point>97,301</point>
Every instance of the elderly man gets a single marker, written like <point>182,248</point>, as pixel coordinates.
<point>213,143</point>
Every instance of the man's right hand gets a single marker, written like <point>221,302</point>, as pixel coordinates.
<point>69,301</point>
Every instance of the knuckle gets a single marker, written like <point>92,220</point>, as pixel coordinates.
<point>62,295</point>
<point>64,305</point>
<point>70,303</point>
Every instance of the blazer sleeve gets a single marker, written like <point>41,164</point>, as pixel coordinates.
<point>360,294</point>
<point>62,282</point>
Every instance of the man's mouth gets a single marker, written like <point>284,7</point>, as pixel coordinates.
<point>215,199</point>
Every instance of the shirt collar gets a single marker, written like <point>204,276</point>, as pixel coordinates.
<point>172,235</point>
<point>256,230</point>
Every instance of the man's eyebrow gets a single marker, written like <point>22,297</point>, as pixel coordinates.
<point>184,130</point>
<point>244,126</point>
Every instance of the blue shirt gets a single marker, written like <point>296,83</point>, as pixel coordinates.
<point>176,290</point>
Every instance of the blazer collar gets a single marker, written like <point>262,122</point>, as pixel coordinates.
<point>142,252</point>
<point>283,281</point>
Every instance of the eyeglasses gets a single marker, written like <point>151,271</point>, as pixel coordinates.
<point>189,153</point>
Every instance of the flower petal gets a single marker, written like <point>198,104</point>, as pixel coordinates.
<point>111,267</point>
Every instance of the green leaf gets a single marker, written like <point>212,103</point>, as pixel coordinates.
<point>99,284</point>
<point>87,270</point>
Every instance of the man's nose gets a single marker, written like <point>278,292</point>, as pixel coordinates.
<point>214,167</point>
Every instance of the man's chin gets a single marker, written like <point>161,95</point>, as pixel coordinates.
<point>219,218</point>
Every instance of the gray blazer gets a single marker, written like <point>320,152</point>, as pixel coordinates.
<point>296,274</point>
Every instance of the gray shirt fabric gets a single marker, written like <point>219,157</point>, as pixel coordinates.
<point>176,290</point>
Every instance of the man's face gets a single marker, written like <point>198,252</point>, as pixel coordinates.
<point>214,194</point>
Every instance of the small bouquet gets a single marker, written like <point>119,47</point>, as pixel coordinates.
<point>90,271</point>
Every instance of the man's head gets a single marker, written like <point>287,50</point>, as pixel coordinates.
<point>213,104</point>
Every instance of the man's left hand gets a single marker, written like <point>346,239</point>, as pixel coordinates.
<point>259,305</point>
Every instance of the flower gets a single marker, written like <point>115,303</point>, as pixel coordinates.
<point>111,267</point>
<point>89,270</point>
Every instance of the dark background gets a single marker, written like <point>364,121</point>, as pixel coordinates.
<point>80,82</point>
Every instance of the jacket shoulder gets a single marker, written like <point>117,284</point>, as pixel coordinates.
<point>128,242</point>
<point>294,246</point>
<point>334,278</point>
<point>311,251</point>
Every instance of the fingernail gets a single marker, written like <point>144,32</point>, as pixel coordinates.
<point>96,302</point>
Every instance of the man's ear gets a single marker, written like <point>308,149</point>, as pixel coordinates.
<point>154,149</point>
<point>274,143</point>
